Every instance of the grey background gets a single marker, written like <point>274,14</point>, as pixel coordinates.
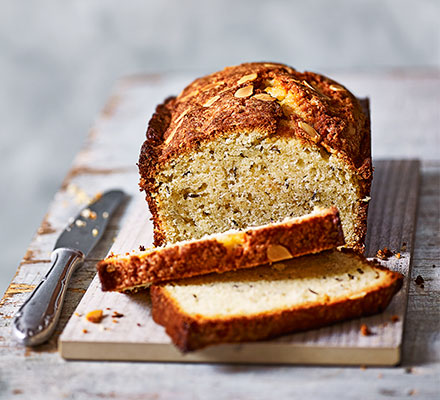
<point>59,60</point>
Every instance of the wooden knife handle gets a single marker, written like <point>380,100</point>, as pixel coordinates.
<point>36,319</point>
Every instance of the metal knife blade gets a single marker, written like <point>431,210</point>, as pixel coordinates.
<point>85,231</point>
<point>36,319</point>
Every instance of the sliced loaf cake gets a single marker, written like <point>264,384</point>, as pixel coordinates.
<point>318,231</point>
<point>268,301</point>
<point>253,144</point>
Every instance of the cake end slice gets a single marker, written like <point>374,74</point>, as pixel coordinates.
<point>268,301</point>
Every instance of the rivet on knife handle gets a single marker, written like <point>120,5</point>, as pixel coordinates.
<point>37,318</point>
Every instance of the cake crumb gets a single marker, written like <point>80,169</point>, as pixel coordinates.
<point>384,253</point>
<point>117,315</point>
<point>77,314</point>
<point>85,331</point>
<point>394,319</point>
<point>95,316</point>
<point>365,330</point>
<point>408,370</point>
<point>412,392</point>
<point>363,367</point>
<point>398,255</point>
<point>420,281</point>
<point>115,321</point>
<point>141,248</point>
<point>95,232</point>
<point>138,324</point>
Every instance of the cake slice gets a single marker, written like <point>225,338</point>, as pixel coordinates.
<point>318,231</point>
<point>268,301</point>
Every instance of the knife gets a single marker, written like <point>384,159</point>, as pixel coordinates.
<point>36,319</point>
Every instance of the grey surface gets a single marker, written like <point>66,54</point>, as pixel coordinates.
<point>58,61</point>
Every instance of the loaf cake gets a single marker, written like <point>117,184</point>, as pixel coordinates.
<point>228,251</point>
<point>253,144</point>
<point>268,301</point>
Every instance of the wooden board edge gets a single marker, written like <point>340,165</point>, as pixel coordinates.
<point>252,353</point>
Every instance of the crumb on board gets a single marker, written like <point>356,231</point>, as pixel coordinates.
<point>420,281</point>
<point>141,248</point>
<point>115,321</point>
<point>95,316</point>
<point>384,253</point>
<point>117,315</point>
<point>85,331</point>
<point>394,319</point>
<point>138,324</point>
<point>365,330</point>
<point>398,255</point>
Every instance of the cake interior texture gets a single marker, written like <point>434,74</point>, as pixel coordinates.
<point>249,179</point>
<point>329,277</point>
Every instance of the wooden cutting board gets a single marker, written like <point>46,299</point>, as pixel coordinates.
<point>135,336</point>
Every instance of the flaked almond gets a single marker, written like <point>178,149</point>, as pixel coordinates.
<point>247,78</point>
<point>244,91</point>
<point>276,252</point>
<point>95,316</point>
<point>188,96</point>
<point>308,129</point>
<point>179,118</point>
<point>264,97</point>
<point>337,88</point>
<point>309,85</point>
<point>171,135</point>
<point>212,86</point>
<point>211,101</point>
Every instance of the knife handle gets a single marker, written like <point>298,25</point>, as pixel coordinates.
<point>36,319</point>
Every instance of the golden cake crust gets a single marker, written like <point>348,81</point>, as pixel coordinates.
<point>220,253</point>
<point>325,114</point>
<point>190,333</point>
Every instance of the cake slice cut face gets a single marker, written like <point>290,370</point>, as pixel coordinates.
<point>267,301</point>
<point>254,144</point>
<point>293,237</point>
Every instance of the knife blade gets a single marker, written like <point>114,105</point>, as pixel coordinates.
<point>36,319</point>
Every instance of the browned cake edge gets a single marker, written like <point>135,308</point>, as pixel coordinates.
<point>355,151</point>
<point>269,243</point>
<point>190,333</point>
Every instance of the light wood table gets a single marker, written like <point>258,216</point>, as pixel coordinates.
<point>405,115</point>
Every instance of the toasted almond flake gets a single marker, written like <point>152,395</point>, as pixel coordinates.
<point>178,119</point>
<point>244,91</point>
<point>211,101</point>
<point>308,129</point>
<point>95,232</point>
<point>264,97</point>
<point>309,85</point>
<point>212,86</point>
<point>95,316</point>
<point>276,252</point>
<point>171,135</point>
<point>189,95</point>
<point>247,78</point>
<point>337,88</point>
